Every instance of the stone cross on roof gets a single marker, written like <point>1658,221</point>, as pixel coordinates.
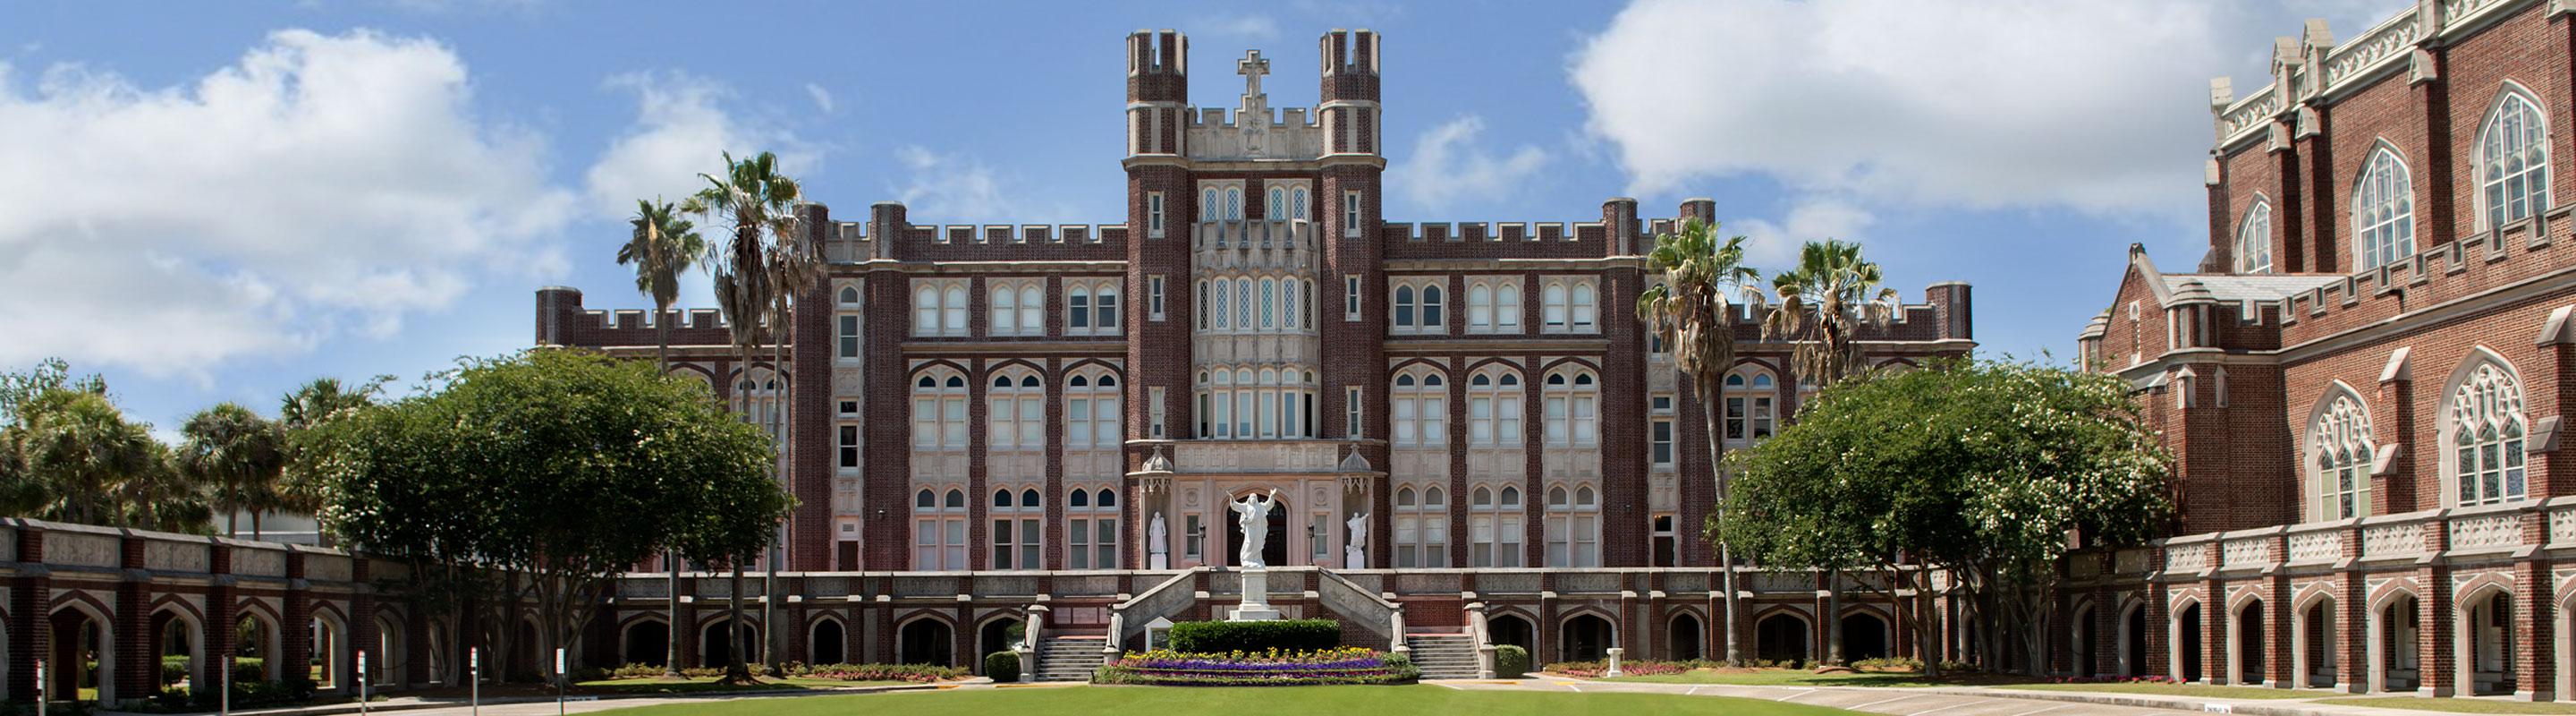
<point>1252,67</point>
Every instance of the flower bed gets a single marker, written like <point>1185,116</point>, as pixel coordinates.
<point>913,673</point>
<point>1344,665</point>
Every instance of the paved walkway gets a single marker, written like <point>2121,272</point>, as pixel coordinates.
<point>1898,701</point>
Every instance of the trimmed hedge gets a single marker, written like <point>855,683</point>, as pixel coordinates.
<point>1002,666</point>
<point>1511,661</point>
<point>1294,635</point>
<point>1341,665</point>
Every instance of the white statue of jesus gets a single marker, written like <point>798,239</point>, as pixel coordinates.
<point>1255,521</point>
<point>1355,551</point>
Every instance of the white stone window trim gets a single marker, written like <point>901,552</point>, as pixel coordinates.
<point>2254,238</point>
<point>2340,457</point>
<point>2483,433</point>
<point>1494,306</point>
<point>2511,159</point>
<point>2383,210</point>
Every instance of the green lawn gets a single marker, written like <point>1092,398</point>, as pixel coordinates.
<point>658,685</point>
<point>1273,701</point>
<point>2457,706</point>
<point>1800,677</point>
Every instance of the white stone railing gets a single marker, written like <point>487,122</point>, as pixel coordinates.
<point>2485,531</point>
<point>2320,545</point>
<point>2394,37</point>
<point>2401,539</point>
<point>2245,552</point>
<point>2187,557</point>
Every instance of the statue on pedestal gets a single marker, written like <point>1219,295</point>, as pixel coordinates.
<point>1154,543</point>
<point>1254,518</point>
<point>1355,551</point>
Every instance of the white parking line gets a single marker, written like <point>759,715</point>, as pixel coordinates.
<point>1936,709</point>
<point>1796,695</point>
<point>1888,701</point>
<point>2041,711</point>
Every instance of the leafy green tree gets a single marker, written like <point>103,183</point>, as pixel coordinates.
<point>299,413</point>
<point>758,203</point>
<point>80,448</point>
<point>1689,310</point>
<point>1825,302</point>
<point>1979,469</point>
<point>560,468</point>
<point>237,455</point>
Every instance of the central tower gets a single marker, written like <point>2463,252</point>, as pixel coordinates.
<point>1257,253</point>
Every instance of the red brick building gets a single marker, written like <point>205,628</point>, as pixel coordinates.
<point>2362,379</point>
<point>998,420</point>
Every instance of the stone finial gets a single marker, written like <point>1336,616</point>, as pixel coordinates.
<point>2222,92</point>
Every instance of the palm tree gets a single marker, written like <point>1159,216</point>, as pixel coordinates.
<point>1824,304</point>
<point>239,455</point>
<point>1690,311</point>
<point>319,401</point>
<point>796,267</point>
<point>662,247</point>
<point>80,447</point>
<point>756,201</point>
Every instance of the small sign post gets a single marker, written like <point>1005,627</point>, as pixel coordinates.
<point>362,682</point>
<point>474,695</point>
<point>225,701</point>
<point>44,689</point>
<point>560,678</point>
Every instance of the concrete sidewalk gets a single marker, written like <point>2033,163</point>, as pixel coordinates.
<point>1961,701</point>
<point>531,706</point>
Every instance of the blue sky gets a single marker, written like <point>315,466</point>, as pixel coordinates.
<point>233,198</point>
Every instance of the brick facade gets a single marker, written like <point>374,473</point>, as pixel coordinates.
<point>2241,372</point>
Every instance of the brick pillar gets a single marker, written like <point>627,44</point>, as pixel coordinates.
<point>2535,637</point>
<point>416,652</point>
<point>137,661</point>
<point>223,613</point>
<point>363,633</point>
<point>2158,635</point>
<point>2277,637</point>
<point>2436,660</point>
<point>295,628</point>
<point>2352,623</point>
<point>30,629</point>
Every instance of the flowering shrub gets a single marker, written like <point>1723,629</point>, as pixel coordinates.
<point>1269,667</point>
<point>2113,680</point>
<point>911,673</point>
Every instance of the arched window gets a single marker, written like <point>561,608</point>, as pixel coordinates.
<point>2340,450</point>
<point>2486,435</point>
<point>1431,317</point>
<point>849,296</point>
<point>1234,203</point>
<point>1495,525</point>
<point>2513,160</point>
<point>939,411</point>
<point>1091,530</point>
<point>1571,404</point>
<point>925,311</point>
<point>1586,307</point>
<point>1018,516</point>
<point>1091,412</point>
<point>2254,239</point>
<point>1421,410</point>
<point>1277,209</point>
<point>1224,304</point>
<point>2383,211</point>
<point>1552,313</point>
<point>1404,307</point>
<point>1421,527</point>
<point>952,309</point>
<point>1015,411</point>
<point>1494,410</point>
<point>1297,203</point>
<point>939,530</point>
<point>1005,308</point>
<point>1269,303</point>
<point>1207,205</point>
<point>1751,396</point>
<point>1573,526</point>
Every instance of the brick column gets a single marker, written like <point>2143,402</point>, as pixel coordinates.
<point>30,629</point>
<point>137,661</point>
<point>363,633</point>
<point>295,627</point>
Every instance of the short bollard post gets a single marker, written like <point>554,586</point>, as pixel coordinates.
<point>474,694</point>
<point>225,702</point>
<point>560,678</point>
<point>1613,672</point>
<point>44,689</point>
<point>362,682</point>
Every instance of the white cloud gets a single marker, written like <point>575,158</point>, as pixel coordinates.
<point>2089,105</point>
<point>682,128</point>
<point>322,183</point>
<point>822,97</point>
<point>1774,244</point>
<point>1447,166</point>
<point>1253,27</point>
<point>949,187</point>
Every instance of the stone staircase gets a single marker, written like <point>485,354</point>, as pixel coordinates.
<point>1443,656</point>
<point>1069,658</point>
